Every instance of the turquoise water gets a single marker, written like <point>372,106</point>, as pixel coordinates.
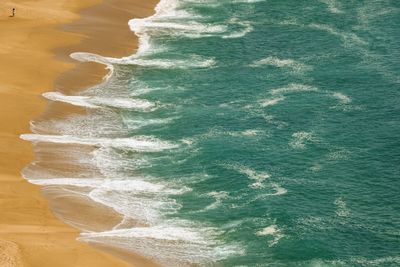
<point>272,135</point>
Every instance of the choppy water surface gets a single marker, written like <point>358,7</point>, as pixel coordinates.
<point>244,133</point>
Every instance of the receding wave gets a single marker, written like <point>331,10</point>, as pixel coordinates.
<point>170,244</point>
<point>135,184</point>
<point>192,62</point>
<point>97,123</point>
<point>144,144</point>
<point>97,102</point>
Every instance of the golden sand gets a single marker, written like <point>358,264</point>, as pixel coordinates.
<point>34,49</point>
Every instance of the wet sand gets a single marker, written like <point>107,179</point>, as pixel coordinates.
<point>34,58</point>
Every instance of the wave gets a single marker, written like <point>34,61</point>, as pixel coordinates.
<point>140,144</point>
<point>279,190</point>
<point>343,99</point>
<point>342,210</point>
<point>193,61</point>
<point>356,261</point>
<point>294,88</point>
<point>137,122</point>
<point>218,196</point>
<point>134,184</point>
<point>97,123</point>
<point>189,28</point>
<point>348,38</point>
<point>272,231</point>
<point>300,139</point>
<point>258,177</point>
<point>245,28</point>
<point>294,65</point>
<point>298,88</point>
<point>148,209</point>
<point>270,101</point>
<point>98,102</point>
<point>112,163</point>
<point>333,6</point>
<point>170,20</point>
<point>171,244</point>
<point>248,1</point>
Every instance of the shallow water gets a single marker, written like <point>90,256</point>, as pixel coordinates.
<point>245,133</point>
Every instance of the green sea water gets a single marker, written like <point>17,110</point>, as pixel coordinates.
<point>275,127</point>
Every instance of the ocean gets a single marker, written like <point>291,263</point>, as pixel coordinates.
<point>242,133</point>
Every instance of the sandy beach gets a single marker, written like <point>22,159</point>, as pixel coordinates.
<point>34,58</point>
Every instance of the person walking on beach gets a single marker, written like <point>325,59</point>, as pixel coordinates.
<point>13,12</point>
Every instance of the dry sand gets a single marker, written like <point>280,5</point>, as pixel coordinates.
<point>34,49</point>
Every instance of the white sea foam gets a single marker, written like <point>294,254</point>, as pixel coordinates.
<point>339,154</point>
<point>113,163</point>
<point>357,261</point>
<point>171,20</point>
<point>294,88</point>
<point>191,28</point>
<point>144,208</point>
<point>300,139</point>
<point>73,100</point>
<point>271,101</point>
<point>245,133</point>
<point>141,144</point>
<point>342,210</point>
<point>343,99</point>
<point>156,232</point>
<point>137,122</point>
<point>98,102</point>
<point>291,64</point>
<point>258,177</point>
<point>272,231</point>
<point>134,184</point>
<point>333,6</point>
<point>89,57</point>
<point>248,1</point>
<point>193,61</point>
<point>252,132</point>
<point>218,196</point>
<point>348,38</point>
<point>170,244</point>
<point>246,28</point>
<point>99,122</point>
<point>279,190</point>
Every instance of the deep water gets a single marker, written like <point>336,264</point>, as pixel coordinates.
<point>272,132</point>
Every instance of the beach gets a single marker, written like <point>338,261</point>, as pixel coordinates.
<point>213,133</point>
<point>34,58</point>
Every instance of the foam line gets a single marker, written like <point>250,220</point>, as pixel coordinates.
<point>141,144</point>
<point>98,102</point>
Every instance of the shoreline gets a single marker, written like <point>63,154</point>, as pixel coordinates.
<point>35,46</point>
